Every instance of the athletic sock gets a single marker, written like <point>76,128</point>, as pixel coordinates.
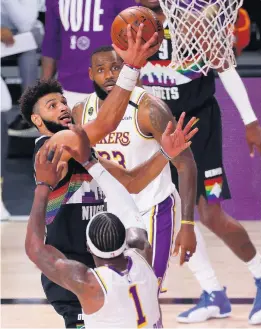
<point>199,263</point>
<point>200,266</point>
<point>254,266</point>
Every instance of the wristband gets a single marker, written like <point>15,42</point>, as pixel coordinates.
<point>137,68</point>
<point>165,154</point>
<point>86,163</point>
<point>92,156</point>
<point>128,78</point>
<point>187,222</point>
<point>45,184</point>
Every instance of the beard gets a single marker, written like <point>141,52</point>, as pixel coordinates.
<point>99,91</point>
<point>54,127</point>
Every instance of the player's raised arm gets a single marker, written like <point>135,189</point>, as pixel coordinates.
<point>153,118</point>
<point>113,108</point>
<point>119,201</point>
<point>48,259</point>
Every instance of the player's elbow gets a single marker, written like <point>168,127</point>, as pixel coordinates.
<point>137,238</point>
<point>134,188</point>
<point>130,183</point>
<point>32,250</point>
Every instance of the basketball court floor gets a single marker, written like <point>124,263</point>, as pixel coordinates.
<point>24,304</point>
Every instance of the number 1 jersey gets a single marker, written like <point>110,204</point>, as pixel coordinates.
<point>130,297</point>
<point>129,147</point>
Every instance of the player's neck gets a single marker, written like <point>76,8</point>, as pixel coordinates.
<point>119,263</point>
<point>45,132</point>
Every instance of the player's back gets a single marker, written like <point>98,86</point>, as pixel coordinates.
<point>131,297</point>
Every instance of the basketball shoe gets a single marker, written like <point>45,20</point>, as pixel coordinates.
<point>211,305</point>
<point>255,314</point>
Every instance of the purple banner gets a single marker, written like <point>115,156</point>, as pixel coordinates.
<point>243,172</point>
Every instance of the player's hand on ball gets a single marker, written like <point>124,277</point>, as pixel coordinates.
<point>185,243</point>
<point>137,52</point>
<point>253,137</point>
<point>176,141</point>
<point>81,153</point>
<point>48,167</point>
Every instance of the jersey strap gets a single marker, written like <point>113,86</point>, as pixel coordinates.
<point>90,108</point>
<point>136,97</point>
<point>100,279</point>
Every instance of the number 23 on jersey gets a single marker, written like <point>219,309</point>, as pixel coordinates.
<point>115,156</point>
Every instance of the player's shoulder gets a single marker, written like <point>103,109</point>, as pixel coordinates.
<point>138,259</point>
<point>79,108</point>
<point>39,142</point>
<point>77,112</point>
<point>147,100</point>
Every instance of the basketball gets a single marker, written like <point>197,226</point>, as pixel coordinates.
<point>135,16</point>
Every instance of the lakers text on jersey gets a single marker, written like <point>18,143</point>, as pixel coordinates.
<point>129,147</point>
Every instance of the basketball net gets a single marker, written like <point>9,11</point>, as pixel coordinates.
<point>201,33</point>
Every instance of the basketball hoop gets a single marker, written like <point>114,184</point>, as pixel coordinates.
<point>201,33</point>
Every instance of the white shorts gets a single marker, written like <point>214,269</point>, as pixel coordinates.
<point>160,222</point>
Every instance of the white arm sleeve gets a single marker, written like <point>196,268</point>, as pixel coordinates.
<point>23,13</point>
<point>119,201</point>
<point>237,91</point>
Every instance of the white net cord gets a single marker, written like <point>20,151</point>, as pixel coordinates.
<point>202,33</point>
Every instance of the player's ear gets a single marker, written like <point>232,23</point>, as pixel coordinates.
<point>90,74</point>
<point>36,120</point>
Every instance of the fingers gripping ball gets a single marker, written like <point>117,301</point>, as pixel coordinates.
<point>135,16</point>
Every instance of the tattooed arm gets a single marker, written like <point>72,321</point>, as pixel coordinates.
<point>153,118</point>
<point>69,274</point>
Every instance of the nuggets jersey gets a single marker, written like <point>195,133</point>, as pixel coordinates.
<point>182,90</point>
<point>131,297</point>
<point>129,147</point>
<point>70,206</point>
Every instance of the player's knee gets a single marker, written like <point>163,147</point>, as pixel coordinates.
<point>208,213</point>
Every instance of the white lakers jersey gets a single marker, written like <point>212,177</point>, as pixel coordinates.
<point>131,297</point>
<point>129,147</point>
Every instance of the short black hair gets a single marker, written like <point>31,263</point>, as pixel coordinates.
<point>33,93</point>
<point>107,232</point>
<point>101,49</point>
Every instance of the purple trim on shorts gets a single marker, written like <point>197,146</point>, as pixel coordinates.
<point>164,236</point>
